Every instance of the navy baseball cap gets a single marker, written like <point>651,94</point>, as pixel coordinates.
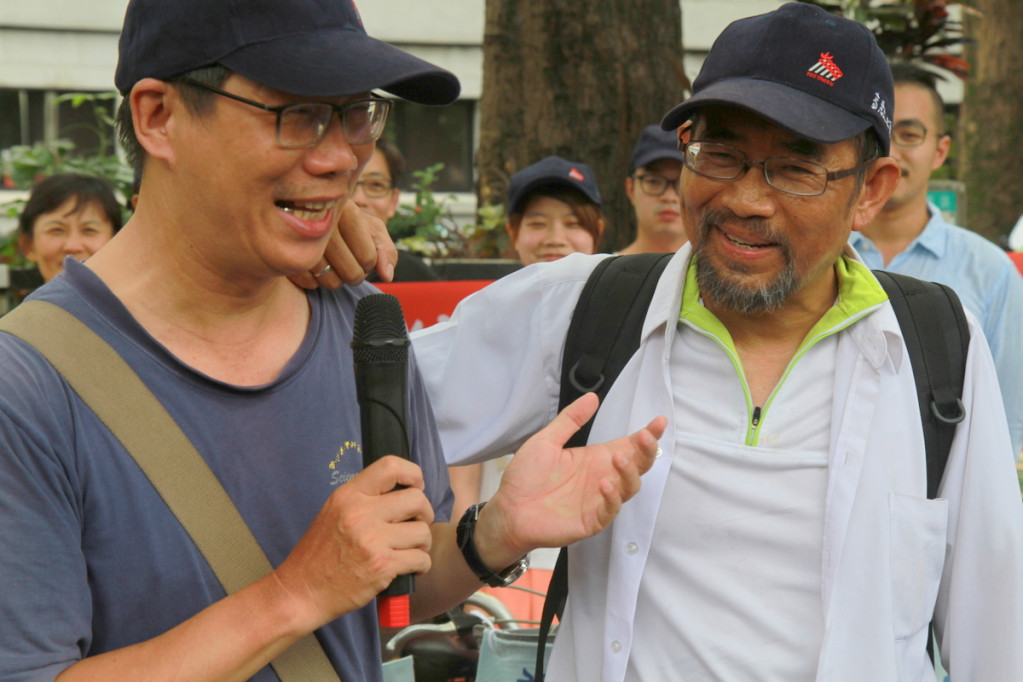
<point>552,171</point>
<point>654,144</point>
<point>818,75</point>
<point>303,47</point>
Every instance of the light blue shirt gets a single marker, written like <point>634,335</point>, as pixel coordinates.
<point>988,284</point>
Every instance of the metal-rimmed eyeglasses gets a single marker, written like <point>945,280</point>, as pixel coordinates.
<point>654,185</point>
<point>304,124</point>
<point>803,178</point>
<point>375,188</point>
<point>909,133</point>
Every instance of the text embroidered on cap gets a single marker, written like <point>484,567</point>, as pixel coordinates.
<point>825,70</point>
<point>576,175</point>
<point>881,107</point>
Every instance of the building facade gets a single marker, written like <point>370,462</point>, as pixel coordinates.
<point>49,48</point>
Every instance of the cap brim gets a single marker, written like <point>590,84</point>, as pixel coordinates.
<point>337,62</point>
<point>796,111</point>
<point>514,204</point>
<point>657,155</point>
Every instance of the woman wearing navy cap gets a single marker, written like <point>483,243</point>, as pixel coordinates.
<point>554,210</point>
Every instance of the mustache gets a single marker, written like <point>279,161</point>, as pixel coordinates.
<point>717,217</point>
<point>723,282</point>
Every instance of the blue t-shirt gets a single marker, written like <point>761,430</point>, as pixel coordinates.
<point>91,558</point>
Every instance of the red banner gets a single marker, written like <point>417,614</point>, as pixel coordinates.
<point>427,303</point>
<point>1017,258</point>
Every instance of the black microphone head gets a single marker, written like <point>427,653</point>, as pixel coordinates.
<point>379,333</point>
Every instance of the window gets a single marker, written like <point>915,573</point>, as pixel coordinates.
<point>81,125</point>
<point>428,135</point>
<point>22,122</point>
<point>31,116</point>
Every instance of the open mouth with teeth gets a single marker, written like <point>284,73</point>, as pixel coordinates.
<point>311,211</point>
<point>748,245</point>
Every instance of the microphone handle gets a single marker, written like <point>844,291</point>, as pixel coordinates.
<point>380,386</point>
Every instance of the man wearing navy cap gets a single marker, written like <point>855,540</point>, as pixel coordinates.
<point>786,533</point>
<point>251,121</point>
<point>652,187</point>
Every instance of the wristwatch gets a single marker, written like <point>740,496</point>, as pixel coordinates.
<point>466,543</point>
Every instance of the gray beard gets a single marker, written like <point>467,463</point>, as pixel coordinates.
<point>731,295</point>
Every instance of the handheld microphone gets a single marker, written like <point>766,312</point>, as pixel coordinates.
<point>380,348</point>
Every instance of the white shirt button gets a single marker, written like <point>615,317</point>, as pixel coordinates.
<point>616,647</point>
<point>631,548</point>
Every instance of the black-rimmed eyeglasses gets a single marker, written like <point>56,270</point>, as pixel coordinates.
<point>787,174</point>
<point>909,134</point>
<point>304,124</point>
<point>654,185</point>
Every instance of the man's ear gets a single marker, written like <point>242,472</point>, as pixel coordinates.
<point>154,103</point>
<point>685,133</point>
<point>944,144</point>
<point>630,187</point>
<point>878,185</point>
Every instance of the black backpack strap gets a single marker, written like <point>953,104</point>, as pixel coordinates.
<point>938,338</point>
<point>606,325</point>
<point>553,605</point>
<point>602,336</point>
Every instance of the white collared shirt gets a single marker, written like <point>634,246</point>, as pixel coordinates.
<point>888,555</point>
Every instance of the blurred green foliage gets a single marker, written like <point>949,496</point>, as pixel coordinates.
<point>427,228</point>
<point>911,30</point>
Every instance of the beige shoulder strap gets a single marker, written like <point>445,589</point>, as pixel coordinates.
<point>106,383</point>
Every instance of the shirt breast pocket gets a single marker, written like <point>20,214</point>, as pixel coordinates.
<point>917,529</point>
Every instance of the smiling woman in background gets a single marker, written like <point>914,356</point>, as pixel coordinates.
<point>554,210</point>
<point>67,215</point>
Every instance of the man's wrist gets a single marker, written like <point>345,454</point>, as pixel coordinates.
<point>466,538</point>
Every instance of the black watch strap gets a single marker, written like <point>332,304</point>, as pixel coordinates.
<point>466,543</point>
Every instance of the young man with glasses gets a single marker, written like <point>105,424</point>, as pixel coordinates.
<point>911,236</point>
<point>251,121</point>
<point>786,531</point>
<point>652,187</point>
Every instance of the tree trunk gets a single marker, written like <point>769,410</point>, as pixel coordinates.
<point>990,130</point>
<point>580,80</point>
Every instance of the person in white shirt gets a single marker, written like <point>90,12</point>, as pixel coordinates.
<point>911,236</point>
<point>786,532</point>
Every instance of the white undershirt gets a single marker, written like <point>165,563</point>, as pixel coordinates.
<point>732,586</point>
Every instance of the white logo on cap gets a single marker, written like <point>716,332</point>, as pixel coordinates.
<point>881,107</point>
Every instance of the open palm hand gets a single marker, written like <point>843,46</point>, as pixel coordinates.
<point>551,495</point>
